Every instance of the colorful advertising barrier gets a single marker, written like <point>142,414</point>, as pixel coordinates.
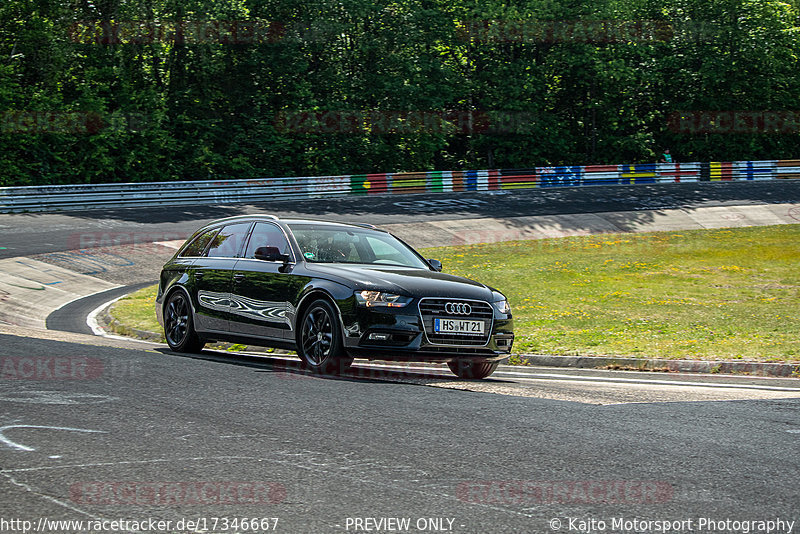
<point>88,196</point>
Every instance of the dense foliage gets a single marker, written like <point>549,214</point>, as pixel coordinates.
<point>149,90</point>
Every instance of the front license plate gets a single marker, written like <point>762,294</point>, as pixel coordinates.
<point>457,326</point>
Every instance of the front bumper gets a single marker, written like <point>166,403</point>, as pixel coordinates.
<point>401,334</point>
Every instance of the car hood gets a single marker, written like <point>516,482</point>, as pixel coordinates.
<point>404,280</point>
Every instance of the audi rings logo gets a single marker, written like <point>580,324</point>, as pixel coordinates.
<point>458,308</point>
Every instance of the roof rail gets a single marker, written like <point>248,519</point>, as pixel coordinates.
<point>366,225</point>
<point>252,215</point>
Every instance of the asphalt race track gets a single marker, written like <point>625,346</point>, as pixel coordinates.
<point>126,436</point>
<point>144,433</point>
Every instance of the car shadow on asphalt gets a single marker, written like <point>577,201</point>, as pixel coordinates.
<point>291,369</point>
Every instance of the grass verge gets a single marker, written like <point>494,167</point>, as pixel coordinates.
<point>136,312</point>
<point>708,294</point>
<point>705,294</point>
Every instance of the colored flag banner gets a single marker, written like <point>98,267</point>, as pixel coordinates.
<point>518,178</point>
<point>788,168</point>
<point>601,175</point>
<point>716,171</point>
<point>559,176</point>
<point>754,170</point>
<point>639,174</point>
<point>677,172</point>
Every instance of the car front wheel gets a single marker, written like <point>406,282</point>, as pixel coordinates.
<point>320,340</point>
<point>178,324</point>
<point>471,369</point>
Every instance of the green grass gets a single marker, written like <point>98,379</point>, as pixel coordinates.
<point>137,310</point>
<point>709,294</point>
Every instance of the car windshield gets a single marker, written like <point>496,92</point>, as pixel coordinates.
<point>336,244</point>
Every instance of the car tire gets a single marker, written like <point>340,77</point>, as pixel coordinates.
<point>471,369</point>
<point>319,342</point>
<point>179,324</point>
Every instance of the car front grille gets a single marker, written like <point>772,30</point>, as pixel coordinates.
<point>433,308</point>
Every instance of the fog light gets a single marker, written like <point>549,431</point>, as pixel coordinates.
<point>379,337</point>
<point>504,342</point>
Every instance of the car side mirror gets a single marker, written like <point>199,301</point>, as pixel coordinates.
<point>436,264</point>
<point>270,254</point>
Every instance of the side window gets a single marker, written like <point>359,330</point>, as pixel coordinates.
<point>228,242</point>
<point>266,235</point>
<point>197,246</point>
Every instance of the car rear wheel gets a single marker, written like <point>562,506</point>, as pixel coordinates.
<point>178,325</point>
<point>471,369</point>
<point>320,340</point>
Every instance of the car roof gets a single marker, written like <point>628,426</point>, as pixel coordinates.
<point>273,218</point>
<point>330,223</point>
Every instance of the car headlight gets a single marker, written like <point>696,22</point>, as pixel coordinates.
<point>502,306</point>
<point>374,299</point>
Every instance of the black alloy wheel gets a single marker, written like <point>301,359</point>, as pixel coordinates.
<point>178,325</point>
<point>320,340</point>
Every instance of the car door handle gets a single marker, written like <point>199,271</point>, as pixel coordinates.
<point>238,277</point>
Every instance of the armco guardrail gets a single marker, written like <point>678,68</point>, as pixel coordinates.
<point>94,196</point>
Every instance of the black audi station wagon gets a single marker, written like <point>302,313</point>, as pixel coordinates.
<point>332,292</point>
